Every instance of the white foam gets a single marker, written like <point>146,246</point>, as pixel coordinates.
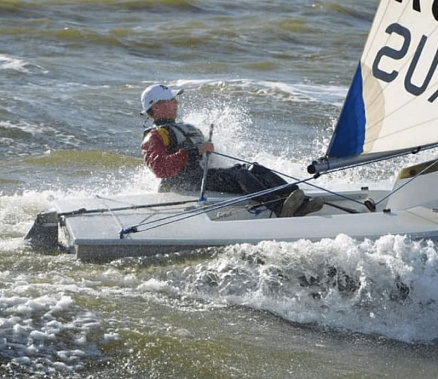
<point>24,126</point>
<point>153,285</point>
<point>39,321</point>
<point>340,283</point>
<point>10,63</point>
<point>297,92</point>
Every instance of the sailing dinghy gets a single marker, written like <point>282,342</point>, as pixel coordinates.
<point>391,109</point>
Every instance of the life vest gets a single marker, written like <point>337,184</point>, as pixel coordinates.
<point>181,136</point>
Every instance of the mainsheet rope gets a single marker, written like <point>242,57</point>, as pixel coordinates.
<point>294,178</point>
<point>197,211</point>
<point>148,225</point>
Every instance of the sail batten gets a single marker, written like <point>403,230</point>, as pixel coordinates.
<point>392,103</point>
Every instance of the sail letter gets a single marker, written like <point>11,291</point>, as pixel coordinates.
<point>417,7</point>
<point>408,81</point>
<point>435,9</point>
<point>416,4</point>
<point>391,53</point>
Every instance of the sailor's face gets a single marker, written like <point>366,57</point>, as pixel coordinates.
<point>165,109</point>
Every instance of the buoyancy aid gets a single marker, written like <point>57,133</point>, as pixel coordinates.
<point>177,139</point>
<point>179,136</point>
<point>183,136</point>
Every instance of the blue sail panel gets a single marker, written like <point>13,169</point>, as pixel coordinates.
<point>349,135</point>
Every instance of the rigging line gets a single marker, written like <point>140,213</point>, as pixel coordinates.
<point>223,203</point>
<point>345,209</point>
<point>197,211</point>
<point>363,164</point>
<point>116,219</point>
<point>302,181</point>
<point>340,207</point>
<point>82,211</point>
<point>178,217</point>
<point>255,163</point>
<point>408,182</point>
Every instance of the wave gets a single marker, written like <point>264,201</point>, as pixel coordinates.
<point>358,12</point>
<point>386,287</point>
<point>15,6</point>
<point>281,91</point>
<point>90,159</point>
<point>15,64</point>
<point>206,25</point>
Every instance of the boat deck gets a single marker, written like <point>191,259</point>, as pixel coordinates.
<point>184,224</point>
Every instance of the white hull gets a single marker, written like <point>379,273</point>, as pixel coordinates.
<point>95,236</point>
<point>390,110</point>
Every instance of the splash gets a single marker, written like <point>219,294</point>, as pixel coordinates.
<point>387,287</point>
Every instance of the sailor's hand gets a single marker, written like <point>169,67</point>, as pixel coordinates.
<point>206,147</point>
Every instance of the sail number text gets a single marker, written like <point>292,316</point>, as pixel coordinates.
<point>416,5</point>
<point>400,53</point>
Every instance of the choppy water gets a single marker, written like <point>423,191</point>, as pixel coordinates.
<point>271,75</point>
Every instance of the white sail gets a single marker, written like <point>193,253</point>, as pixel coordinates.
<point>392,104</point>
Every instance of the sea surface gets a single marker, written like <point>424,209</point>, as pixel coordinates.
<point>272,77</point>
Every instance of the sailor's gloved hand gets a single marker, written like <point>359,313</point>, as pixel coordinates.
<point>206,147</point>
<point>195,153</point>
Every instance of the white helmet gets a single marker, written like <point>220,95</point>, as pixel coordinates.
<point>155,93</point>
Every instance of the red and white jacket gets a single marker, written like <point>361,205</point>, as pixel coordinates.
<point>169,148</point>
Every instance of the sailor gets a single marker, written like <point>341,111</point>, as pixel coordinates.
<point>173,151</point>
